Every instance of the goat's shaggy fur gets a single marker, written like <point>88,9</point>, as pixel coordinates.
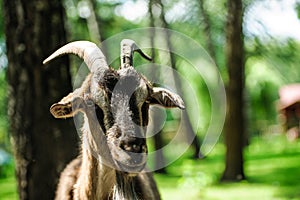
<point>75,184</point>
<point>115,106</point>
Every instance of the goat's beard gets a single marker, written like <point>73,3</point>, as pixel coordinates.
<point>125,188</point>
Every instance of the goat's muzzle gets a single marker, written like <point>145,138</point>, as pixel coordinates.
<point>128,153</point>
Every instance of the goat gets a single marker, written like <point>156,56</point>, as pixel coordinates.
<point>115,106</point>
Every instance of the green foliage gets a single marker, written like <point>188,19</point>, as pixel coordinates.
<point>270,64</point>
<point>3,86</point>
<point>7,168</point>
<point>297,8</point>
<point>109,22</point>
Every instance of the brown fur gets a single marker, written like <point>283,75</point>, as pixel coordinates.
<point>88,178</point>
<point>78,182</point>
<point>115,106</point>
<point>68,179</point>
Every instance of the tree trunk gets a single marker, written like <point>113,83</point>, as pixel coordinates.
<point>234,127</point>
<point>42,145</point>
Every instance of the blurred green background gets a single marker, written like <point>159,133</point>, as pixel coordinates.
<point>271,31</point>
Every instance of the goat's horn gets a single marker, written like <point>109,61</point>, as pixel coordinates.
<point>88,51</point>
<point>128,47</point>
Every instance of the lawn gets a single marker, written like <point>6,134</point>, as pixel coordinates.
<point>8,188</point>
<point>272,167</point>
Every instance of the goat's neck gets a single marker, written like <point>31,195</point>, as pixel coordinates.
<point>96,179</point>
<point>99,181</point>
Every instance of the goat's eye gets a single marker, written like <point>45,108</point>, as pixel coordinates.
<point>100,117</point>
<point>145,114</point>
<point>89,103</point>
<point>148,100</point>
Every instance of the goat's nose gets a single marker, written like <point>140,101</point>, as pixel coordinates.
<point>134,146</point>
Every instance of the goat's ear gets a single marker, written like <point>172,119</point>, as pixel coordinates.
<point>166,98</point>
<point>67,107</point>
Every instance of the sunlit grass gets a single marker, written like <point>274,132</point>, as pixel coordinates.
<point>272,168</point>
<point>8,188</point>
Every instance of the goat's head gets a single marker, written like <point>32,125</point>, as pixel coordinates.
<point>115,104</point>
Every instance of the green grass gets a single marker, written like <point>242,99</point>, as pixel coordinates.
<point>8,188</point>
<point>272,167</point>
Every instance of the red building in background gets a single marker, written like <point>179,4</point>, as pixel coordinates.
<point>289,109</point>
